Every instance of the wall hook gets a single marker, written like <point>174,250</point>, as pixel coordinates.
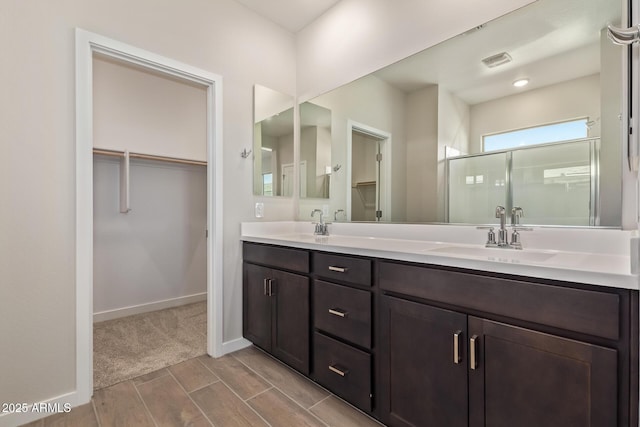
<point>244,153</point>
<point>337,167</point>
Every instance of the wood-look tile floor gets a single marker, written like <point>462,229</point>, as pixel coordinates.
<point>246,388</point>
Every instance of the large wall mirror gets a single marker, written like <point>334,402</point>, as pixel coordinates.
<point>524,111</point>
<point>272,143</point>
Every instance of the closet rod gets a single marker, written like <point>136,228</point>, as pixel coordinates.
<point>115,153</point>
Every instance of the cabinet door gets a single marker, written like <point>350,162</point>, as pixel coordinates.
<point>256,305</point>
<point>291,319</point>
<point>529,379</point>
<point>421,383</point>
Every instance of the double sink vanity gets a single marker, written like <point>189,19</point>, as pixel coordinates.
<point>417,325</point>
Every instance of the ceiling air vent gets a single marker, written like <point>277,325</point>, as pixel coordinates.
<point>497,59</point>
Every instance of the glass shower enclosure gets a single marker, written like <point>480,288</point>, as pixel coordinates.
<point>555,184</point>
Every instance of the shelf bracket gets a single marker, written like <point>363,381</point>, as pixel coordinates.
<point>125,203</point>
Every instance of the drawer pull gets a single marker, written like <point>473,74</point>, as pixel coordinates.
<point>473,363</point>
<point>456,347</point>
<point>338,312</point>
<point>338,269</point>
<point>338,370</point>
<point>265,281</point>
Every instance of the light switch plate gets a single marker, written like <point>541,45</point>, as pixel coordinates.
<point>325,210</point>
<point>259,210</point>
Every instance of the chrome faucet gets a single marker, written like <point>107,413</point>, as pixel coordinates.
<point>503,238</point>
<point>322,228</point>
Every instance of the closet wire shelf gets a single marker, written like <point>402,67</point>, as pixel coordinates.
<point>115,153</point>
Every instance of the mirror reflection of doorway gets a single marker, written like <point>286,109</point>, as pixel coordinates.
<point>287,179</point>
<point>366,161</point>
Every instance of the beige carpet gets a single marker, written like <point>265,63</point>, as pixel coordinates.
<point>132,346</point>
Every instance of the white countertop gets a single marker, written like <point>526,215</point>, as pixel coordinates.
<point>593,256</point>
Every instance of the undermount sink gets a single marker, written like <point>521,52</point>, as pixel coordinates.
<point>495,254</point>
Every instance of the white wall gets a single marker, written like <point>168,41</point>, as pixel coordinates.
<point>453,131</point>
<point>37,168</point>
<point>144,112</point>
<point>422,146</point>
<point>157,251</point>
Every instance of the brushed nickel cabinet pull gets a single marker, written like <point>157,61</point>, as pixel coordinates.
<point>337,312</point>
<point>270,281</point>
<point>335,369</point>
<point>265,285</point>
<point>338,269</point>
<point>456,347</point>
<point>473,363</point>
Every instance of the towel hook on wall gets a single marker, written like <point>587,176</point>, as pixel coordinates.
<point>244,153</point>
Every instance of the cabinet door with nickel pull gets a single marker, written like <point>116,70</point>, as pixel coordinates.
<point>520,377</point>
<point>423,365</point>
<point>276,313</point>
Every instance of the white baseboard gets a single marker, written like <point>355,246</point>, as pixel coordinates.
<point>235,345</point>
<point>145,308</point>
<point>17,419</point>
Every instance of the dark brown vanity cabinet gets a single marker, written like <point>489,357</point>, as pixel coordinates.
<point>422,345</point>
<point>443,361</point>
<point>276,302</point>
<point>342,322</point>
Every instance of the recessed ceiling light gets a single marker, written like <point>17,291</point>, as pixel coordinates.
<point>521,82</point>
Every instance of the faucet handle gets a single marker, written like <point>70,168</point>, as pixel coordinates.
<point>516,213</point>
<point>491,236</point>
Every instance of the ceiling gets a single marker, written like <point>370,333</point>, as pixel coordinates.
<point>292,15</point>
<point>550,41</point>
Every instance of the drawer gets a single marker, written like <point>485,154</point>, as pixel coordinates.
<point>343,268</point>
<point>343,311</point>
<point>276,256</point>
<point>584,311</point>
<point>344,370</point>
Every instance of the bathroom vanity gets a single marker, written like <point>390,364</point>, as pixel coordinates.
<point>422,332</point>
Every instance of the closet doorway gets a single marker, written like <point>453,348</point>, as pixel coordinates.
<point>369,173</point>
<point>150,166</point>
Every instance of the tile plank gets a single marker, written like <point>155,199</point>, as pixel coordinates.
<point>36,423</point>
<point>169,404</point>
<point>192,375</point>
<point>290,382</point>
<point>120,405</point>
<point>280,411</point>
<point>335,412</point>
<point>83,415</point>
<point>224,408</point>
<point>236,375</point>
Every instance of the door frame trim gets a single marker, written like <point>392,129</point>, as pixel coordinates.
<point>86,44</point>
